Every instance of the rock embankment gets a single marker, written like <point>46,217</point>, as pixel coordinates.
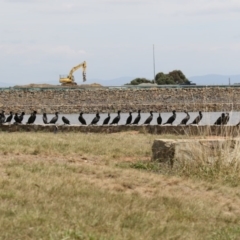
<point>64,100</point>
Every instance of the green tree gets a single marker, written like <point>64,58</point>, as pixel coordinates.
<point>179,77</point>
<point>163,79</point>
<point>174,78</point>
<point>138,81</point>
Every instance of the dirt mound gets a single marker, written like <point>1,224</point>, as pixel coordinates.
<point>91,85</point>
<point>44,85</point>
<point>32,85</point>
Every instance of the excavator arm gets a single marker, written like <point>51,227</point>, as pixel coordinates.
<point>83,66</point>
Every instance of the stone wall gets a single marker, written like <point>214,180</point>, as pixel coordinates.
<point>110,100</point>
<point>203,131</point>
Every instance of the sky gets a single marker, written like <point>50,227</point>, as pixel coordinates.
<point>41,39</point>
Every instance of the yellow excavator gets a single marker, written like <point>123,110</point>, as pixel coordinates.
<point>69,80</point>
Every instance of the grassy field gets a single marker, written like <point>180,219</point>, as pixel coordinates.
<point>97,186</point>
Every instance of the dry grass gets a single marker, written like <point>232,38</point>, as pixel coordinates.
<point>90,186</point>
<point>65,144</point>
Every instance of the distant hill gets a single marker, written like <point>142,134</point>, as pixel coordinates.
<point>5,85</point>
<point>215,79</point>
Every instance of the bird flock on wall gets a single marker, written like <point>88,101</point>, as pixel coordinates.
<point>18,119</point>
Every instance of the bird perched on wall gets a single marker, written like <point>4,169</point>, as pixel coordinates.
<point>16,118</point>
<point>54,119</point>
<point>159,119</point>
<point>149,119</point>
<point>198,118</point>
<point>65,120</point>
<point>32,118</point>
<point>220,120</point>
<point>138,118</point>
<point>20,118</point>
<point>129,119</point>
<point>9,118</point>
<point>2,117</point>
<point>185,120</point>
<point>226,119</point>
<point>96,119</point>
<point>116,119</point>
<point>29,118</point>
<point>106,120</point>
<point>81,119</point>
<point>172,118</point>
<point>45,121</point>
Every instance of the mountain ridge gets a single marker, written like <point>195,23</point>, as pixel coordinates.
<point>215,79</point>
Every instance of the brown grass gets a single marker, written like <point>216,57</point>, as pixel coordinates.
<point>92,186</point>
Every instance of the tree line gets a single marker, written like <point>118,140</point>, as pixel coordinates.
<point>175,77</point>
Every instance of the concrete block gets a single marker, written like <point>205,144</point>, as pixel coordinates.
<point>170,150</point>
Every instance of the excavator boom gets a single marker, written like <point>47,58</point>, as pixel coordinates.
<point>82,65</point>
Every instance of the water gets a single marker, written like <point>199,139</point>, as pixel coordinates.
<point>208,118</point>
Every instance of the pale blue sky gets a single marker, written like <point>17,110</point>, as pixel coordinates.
<point>41,39</point>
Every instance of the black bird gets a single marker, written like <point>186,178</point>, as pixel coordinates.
<point>159,119</point>
<point>106,120</point>
<point>116,119</point>
<point>32,118</point>
<point>65,120</point>
<point>226,119</point>
<point>220,120</point>
<point>96,119</point>
<point>185,120</point>
<point>54,119</point>
<point>21,117</point>
<point>172,118</point>
<point>45,118</point>
<point>138,118</point>
<point>29,117</point>
<point>81,119</point>
<point>149,119</point>
<point>2,117</point>
<point>16,118</point>
<point>198,118</point>
<point>129,119</point>
<point>9,118</point>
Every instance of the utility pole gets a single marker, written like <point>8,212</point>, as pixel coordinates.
<point>229,81</point>
<point>153,65</point>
